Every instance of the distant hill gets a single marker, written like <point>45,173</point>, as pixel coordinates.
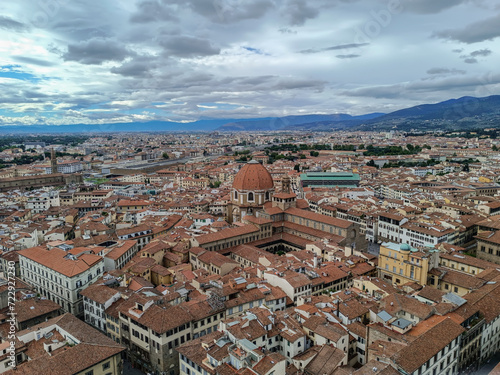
<point>305,122</point>
<point>151,126</point>
<point>255,124</point>
<point>456,114</point>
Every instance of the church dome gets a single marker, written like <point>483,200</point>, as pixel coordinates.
<point>405,247</point>
<point>253,176</point>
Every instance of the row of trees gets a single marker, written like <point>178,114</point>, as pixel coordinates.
<point>23,159</point>
<point>394,150</point>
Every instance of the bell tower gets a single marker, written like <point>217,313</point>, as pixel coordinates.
<point>285,184</point>
<point>53,161</point>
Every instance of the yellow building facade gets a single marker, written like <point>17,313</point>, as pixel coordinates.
<point>401,263</point>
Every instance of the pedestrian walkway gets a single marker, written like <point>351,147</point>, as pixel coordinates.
<point>128,370</point>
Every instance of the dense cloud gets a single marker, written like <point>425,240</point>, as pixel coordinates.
<point>93,61</point>
<point>8,23</point>
<point>475,32</point>
<point>429,6</point>
<point>441,71</point>
<point>97,51</point>
<point>187,46</point>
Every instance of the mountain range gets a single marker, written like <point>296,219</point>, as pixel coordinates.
<point>454,114</point>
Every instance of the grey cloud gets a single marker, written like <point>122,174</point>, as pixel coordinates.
<point>255,80</point>
<point>228,11</point>
<point>97,51</point>
<point>151,11</point>
<point>428,6</point>
<point>470,84</point>
<point>350,56</point>
<point>458,50</point>
<point>334,48</point>
<point>445,71</point>
<point>287,30</point>
<point>139,66</point>
<point>391,91</point>
<point>297,12</point>
<point>33,61</point>
<point>32,94</point>
<point>481,52</point>
<point>79,27</point>
<point>8,23</point>
<point>470,60</point>
<point>188,46</point>
<point>293,84</point>
<point>473,33</point>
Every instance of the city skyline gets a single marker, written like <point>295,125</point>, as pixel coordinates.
<point>74,62</point>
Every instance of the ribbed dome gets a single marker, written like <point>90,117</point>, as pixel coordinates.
<point>253,176</point>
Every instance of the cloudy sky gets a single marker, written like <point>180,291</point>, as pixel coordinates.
<point>103,61</point>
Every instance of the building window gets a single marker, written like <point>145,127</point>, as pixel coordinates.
<point>105,366</point>
<point>250,196</point>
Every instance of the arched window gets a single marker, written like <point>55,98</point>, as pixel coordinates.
<point>250,196</point>
<point>235,194</point>
<point>267,195</point>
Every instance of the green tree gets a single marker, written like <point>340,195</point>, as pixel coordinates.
<point>165,156</point>
<point>297,167</point>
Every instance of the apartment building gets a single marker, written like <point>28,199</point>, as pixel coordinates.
<point>400,264</point>
<point>152,333</point>
<point>66,345</point>
<point>59,275</point>
<point>434,352</point>
<point>96,299</point>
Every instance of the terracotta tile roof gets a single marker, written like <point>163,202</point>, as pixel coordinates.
<point>461,279</point>
<point>319,218</point>
<point>227,233</point>
<point>253,176</point>
<point>314,232</point>
<point>195,351</point>
<point>431,293</point>
<point>216,259</point>
<point>31,308</point>
<point>99,293</point>
<point>395,303</point>
<point>268,362</point>
<point>55,260</point>
<point>357,328</point>
<point>417,353</point>
<point>325,362</point>
<point>117,251</point>
<point>493,237</point>
<point>72,360</point>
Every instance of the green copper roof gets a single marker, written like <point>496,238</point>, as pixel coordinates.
<point>331,176</point>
